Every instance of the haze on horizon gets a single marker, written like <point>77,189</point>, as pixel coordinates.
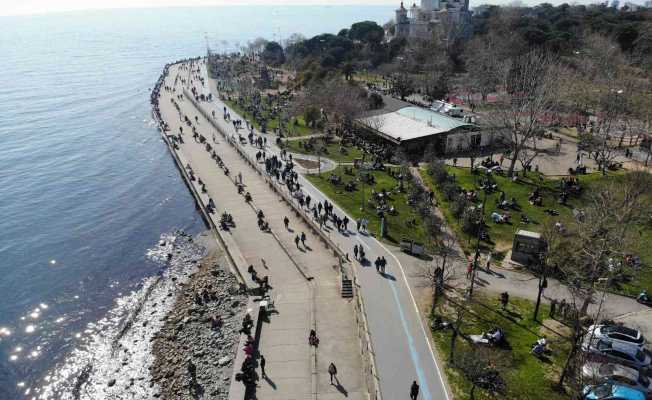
<point>28,7</point>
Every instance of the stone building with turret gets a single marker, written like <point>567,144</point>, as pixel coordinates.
<point>448,19</point>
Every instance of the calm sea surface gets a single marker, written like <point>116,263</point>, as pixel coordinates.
<point>86,185</point>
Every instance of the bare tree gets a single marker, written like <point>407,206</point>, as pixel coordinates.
<point>613,91</point>
<point>438,272</point>
<point>528,153</point>
<point>293,39</point>
<point>256,46</point>
<point>593,256</point>
<point>480,367</point>
<point>530,85</point>
<point>402,85</point>
<point>482,64</point>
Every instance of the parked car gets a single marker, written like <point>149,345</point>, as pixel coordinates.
<point>626,354</point>
<point>616,373</point>
<point>617,333</point>
<point>610,391</point>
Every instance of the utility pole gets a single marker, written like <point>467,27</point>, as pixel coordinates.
<point>477,246</point>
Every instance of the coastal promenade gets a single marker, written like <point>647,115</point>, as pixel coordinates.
<point>402,347</point>
<point>304,282</point>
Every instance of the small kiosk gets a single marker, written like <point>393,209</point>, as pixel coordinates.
<point>527,246</point>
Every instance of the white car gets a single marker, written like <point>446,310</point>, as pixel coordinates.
<point>617,333</point>
<point>616,373</point>
<point>617,352</point>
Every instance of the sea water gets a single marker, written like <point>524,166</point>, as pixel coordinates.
<point>87,187</point>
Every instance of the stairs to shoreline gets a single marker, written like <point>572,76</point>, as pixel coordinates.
<point>347,288</point>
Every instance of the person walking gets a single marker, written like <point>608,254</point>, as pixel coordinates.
<point>303,239</point>
<point>504,300</point>
<point>296,241</point>
<point>355,251</point>
<point>286,221</point>
<point>332,371</point>
<point>262,366</point>
<point>414,390</point>
<point>489,262</point>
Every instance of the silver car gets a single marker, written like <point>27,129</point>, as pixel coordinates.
<point>626,354</point>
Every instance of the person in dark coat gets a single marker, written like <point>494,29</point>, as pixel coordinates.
<point>414,391</point>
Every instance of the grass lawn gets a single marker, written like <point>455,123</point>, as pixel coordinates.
<point>368,77</point>
<point>332,151</point>
<point>351,202</point>
<point>294,129</point>
<point>501,235</point>
<point>526,376</point>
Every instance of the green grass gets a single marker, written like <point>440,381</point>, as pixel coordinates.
<point>298,129</point>
<point>368,77</point>
<point>526,376</point>
<point>501,235</point>
<point>351,202</point>
<point>332,151</point>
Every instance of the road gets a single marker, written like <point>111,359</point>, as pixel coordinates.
<point>403,350</point>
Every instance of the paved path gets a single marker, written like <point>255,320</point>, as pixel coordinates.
<point>295,370</point>
<point>555,162</point>
<point>401,342</point>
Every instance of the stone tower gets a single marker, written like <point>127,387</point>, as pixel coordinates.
<point>402,27</point>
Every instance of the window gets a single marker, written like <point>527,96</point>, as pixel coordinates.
<point>624,380</point>
<point>621,355</point>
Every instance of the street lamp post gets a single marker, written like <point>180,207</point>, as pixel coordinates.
<point>543,283</point>
<point>362,181</point>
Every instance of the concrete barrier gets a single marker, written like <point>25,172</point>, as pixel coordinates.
<point>202,207</point>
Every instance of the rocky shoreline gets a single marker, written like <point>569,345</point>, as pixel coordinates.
<point>195,348</point>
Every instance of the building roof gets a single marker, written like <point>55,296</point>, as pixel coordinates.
<point>411,122</point>
<point>533,235</point>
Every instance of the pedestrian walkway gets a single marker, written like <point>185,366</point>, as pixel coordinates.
<point>403,350</point>
<point>294,369</point>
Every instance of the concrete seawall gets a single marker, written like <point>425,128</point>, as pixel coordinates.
<point>237,263</point>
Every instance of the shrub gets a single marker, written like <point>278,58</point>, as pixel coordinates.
<point>437,170</point>
<point>470,221</point>
<point>459,205</point>
<point>376,101</point>
<point>450,190</point>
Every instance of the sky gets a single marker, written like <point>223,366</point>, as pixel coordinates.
<point>23,7</point>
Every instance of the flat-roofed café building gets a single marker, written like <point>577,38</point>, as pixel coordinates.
<point>415,128</point>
